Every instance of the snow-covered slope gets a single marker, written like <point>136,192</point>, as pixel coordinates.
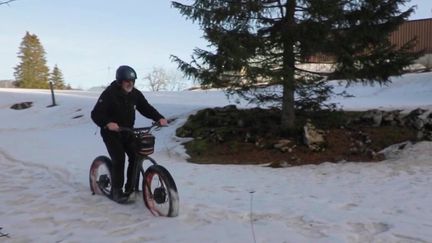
<point>45,154</point>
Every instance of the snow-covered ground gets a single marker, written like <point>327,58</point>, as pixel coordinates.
<point>45,155</point>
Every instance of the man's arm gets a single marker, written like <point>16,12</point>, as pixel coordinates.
<point>146,109</point>
<point>99,113</point>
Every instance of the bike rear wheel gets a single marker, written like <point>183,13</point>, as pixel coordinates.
<point>100,176</point>
<point>160,192</point>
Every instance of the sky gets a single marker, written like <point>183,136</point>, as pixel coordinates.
<point>88,40</point>
<point>45,195</point>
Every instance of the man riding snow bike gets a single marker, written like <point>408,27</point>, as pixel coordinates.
<point>159,190</point>
<point>114,113</point>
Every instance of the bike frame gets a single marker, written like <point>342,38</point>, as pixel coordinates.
<point>139,161</point>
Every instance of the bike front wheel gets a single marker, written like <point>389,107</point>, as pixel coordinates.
<point>100,176</point>
<point>160,192</point>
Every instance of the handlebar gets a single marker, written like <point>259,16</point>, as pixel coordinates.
<point>155,125</point>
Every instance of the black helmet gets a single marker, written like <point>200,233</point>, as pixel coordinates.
<point>125,73</point>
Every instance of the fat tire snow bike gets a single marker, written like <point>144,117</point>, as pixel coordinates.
<point>159,190</point>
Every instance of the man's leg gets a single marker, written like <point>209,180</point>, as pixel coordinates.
<point>131,170</point>
<point>117,154</point>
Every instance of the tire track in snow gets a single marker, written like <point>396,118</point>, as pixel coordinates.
<point>61,175</point>
<point>38,200</point>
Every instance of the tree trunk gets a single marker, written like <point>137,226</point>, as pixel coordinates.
<point>288,111</point>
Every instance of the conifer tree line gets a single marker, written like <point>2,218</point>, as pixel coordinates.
<point>263,41</point>
<point>32,71</point>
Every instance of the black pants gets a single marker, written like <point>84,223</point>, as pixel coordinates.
<point>117,144</point>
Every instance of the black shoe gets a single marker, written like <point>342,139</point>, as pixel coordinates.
<point>128,187</point>
<point>120,197</point>
<point>127,193</point>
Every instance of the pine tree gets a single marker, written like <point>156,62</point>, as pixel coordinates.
<point>262,41</point>
<point>32,71</point>
<point>56,77</point>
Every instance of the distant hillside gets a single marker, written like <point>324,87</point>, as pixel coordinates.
<point>97,88</point>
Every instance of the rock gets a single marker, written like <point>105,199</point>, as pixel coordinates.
<point>379,157</point>
<point>395,150</point>
<point>359,144</point>
<point>313,137</point>
<point>226,108</point>
<point>391,117</point>
<point>428,126</point>
<point>400,119</point>
<point>417,112</point>
<point>259,142</point>
<point>427,135</point>
<point>279,164</point>
<point>281,143</point>
<point>295,159</point>
<point>286,149</point>
<point>249,138</point>
<point>373,117</point>
<point>240,123</point>
<point>428,123</point>
<point>420,135</point>
<point>416,119</point>
<point>22,105</point>
<point>388,117</point>
<point>354,150</point>
<point>220,138</point>
<point>418,123</point>
<point>371,153</point>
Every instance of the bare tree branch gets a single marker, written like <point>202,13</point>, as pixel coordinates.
<point>158,79</point>
<point>6,2</point>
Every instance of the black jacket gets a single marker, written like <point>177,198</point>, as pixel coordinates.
<point>114,105</point>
